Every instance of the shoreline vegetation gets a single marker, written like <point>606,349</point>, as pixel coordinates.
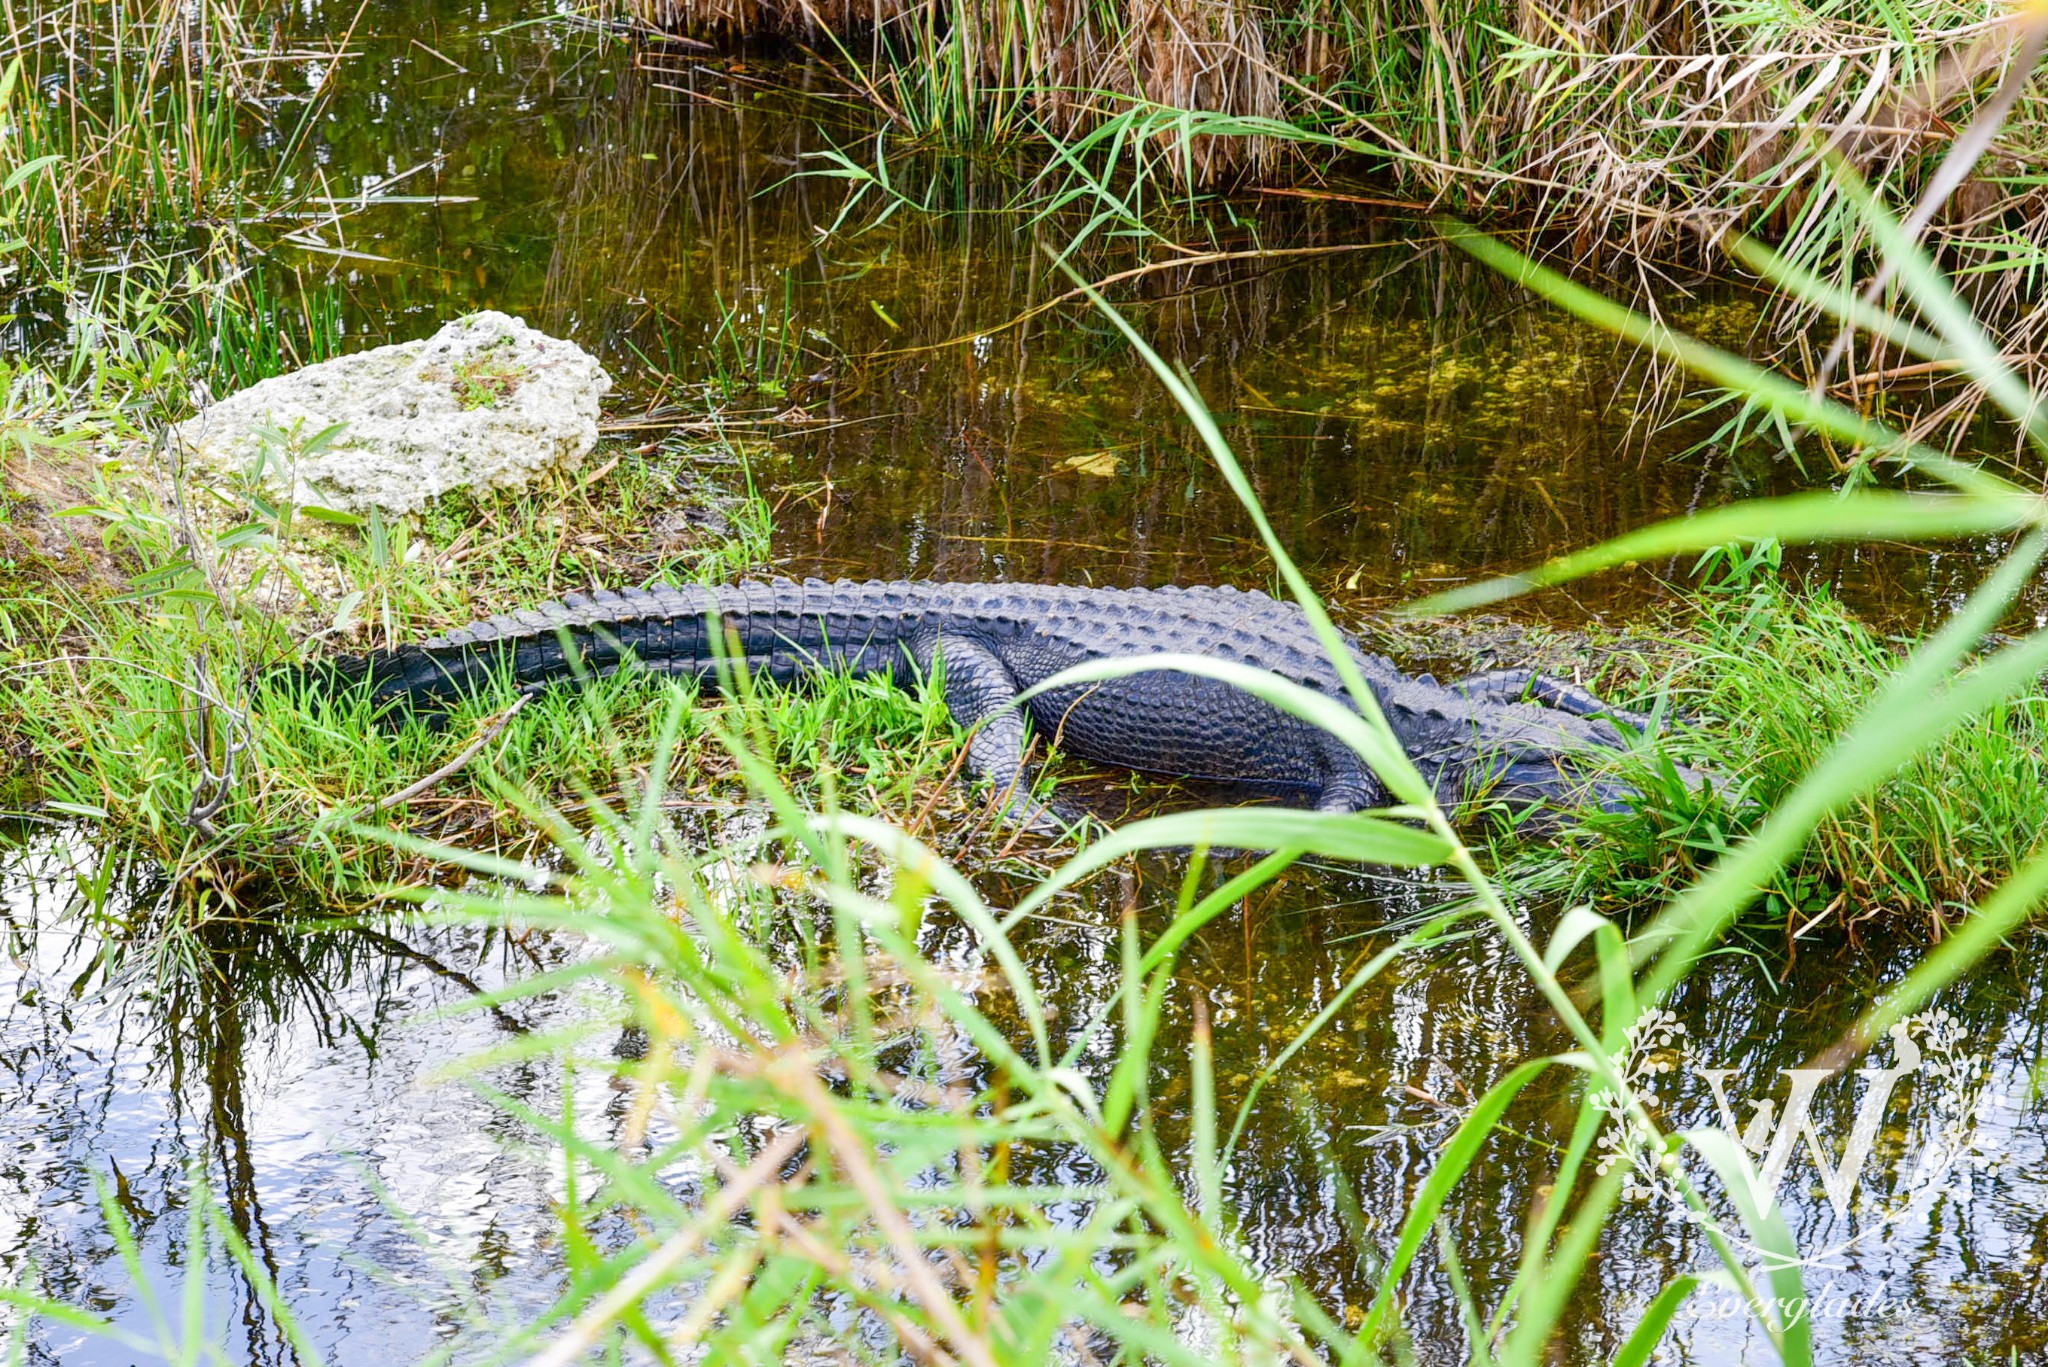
<point>104,571</point>
<point>847,1122</point>
<point>1639,126</point>
<point>1635,138</point>
<point>79,429</point>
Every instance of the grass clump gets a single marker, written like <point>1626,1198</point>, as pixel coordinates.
<point>147,694</point>
<point>1767,677</point>
<point>163,722</point>
<point>485,379</point>
<point>841,1120</point>
<point>140,115</point>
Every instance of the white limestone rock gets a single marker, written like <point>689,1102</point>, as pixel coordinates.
<point>485,401</point>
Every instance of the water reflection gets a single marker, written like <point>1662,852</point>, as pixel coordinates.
<point>297,1074</point>
<point>293,1072</point>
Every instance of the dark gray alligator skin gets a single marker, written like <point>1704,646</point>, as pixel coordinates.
<point>1472,736</point>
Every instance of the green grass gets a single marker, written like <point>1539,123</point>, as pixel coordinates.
<point>787,1012</point>
<point>135,115</point>
<point>1768,677</point>
<point>759,350</point>
<point>105,689</point>
<point>486,379</point>
<point>274,795</point>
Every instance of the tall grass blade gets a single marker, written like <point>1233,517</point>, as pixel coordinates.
<point>1453,1161</point>
<point>1864,515</point>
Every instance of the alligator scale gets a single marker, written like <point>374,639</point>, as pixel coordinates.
<point>996,640</point>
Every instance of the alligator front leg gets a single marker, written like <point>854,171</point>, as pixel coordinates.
<point>981,693</point>
<point>1526,685</point>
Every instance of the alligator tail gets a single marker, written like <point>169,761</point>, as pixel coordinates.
<point>777,630</point>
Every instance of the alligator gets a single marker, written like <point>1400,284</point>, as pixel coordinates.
<point>1510,735</point>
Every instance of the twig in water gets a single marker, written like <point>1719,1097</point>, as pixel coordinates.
<point>433,51</point>
<point>1333,197</point>
<point>391,944</point>
<point>1919,368</point>
<point>451,768</point>
<point>211,790</point>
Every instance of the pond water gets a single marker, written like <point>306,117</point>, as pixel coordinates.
<point>1407,422</point>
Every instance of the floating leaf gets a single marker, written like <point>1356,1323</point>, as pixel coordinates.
<point>345,611</point>
<point>1102,464</point>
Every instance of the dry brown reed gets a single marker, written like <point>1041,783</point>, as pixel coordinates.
<point>1641,119</point>
<point>1477,99</point>
<point>1651,128</point>
<point>1067,63</point>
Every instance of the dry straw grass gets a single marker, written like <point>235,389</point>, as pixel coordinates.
<point>1061,65</point>
<point>1653,126</point>
<point>1476,99</point>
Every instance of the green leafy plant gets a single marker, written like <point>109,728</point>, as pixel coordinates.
<point>486,378</point>
<point>1768,675</point>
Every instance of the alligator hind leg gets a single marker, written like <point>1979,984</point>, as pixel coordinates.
<point>1526,685</point>
<point>981,693</point>
<point>1349,784</point>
